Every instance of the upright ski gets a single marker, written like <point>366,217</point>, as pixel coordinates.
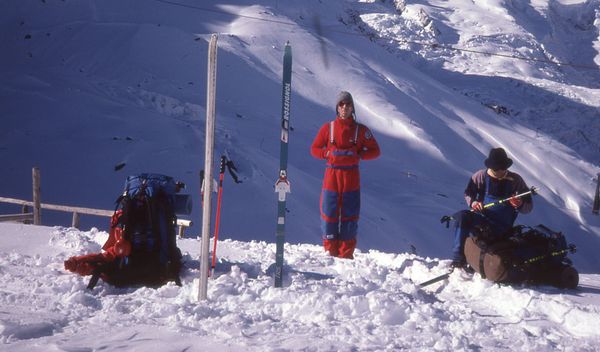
<point>211,91</point>
<point>282,185</point>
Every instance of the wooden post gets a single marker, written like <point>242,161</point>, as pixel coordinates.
<point>75,222</point>
<point>180,231</point>
<point>25,210</point>
<point>37,207</point>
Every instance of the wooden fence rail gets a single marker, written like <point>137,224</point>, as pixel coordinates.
<point>17,217</point>
<point>37,205</point>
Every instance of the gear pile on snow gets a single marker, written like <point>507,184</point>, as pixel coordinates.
<point>534,255</point>
<point>141,248</point>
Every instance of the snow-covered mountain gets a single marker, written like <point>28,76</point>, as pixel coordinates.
<point>89,87</point>
<point>94,91</point>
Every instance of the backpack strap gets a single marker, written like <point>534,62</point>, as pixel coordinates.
<point>95,277</point>
<point>481,260</point>
<point>355,141</point>
<point>97,273</point>
<point>332,135</point>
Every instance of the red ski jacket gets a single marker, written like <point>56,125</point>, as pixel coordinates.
<point>351,142</point>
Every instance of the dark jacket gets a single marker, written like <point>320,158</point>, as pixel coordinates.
<point>510,185</point>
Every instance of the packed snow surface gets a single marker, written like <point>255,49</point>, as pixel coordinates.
<point>371,303</point>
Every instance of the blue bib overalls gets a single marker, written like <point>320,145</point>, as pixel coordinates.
<point>500,218</point>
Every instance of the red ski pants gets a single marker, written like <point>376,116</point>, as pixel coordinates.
<point>340,208</point>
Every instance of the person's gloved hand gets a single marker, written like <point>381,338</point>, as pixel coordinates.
<point>515,202</point>
<point>353,151</point>
<point>477,206</point>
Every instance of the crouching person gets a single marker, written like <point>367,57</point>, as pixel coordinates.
<point>486,186</point>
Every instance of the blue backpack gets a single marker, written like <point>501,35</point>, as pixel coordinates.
<point>145,220</point>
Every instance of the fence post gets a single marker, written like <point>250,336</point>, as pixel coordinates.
<point>25,210</point>
<point>75,222</point>
<point>37,208</point>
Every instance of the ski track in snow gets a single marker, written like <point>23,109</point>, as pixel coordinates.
<point>371,303</point>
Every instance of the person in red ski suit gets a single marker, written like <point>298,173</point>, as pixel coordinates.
<point>343,143</point>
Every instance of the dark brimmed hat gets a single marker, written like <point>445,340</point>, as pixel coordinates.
<point>498,160</point>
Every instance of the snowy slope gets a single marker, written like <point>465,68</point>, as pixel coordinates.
<point>368,304</point>
<point>527,90</point>
<point>90,85</point>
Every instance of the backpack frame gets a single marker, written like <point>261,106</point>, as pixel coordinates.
<point>145,217</point>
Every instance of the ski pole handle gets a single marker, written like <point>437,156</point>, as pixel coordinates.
<point>223,163</point>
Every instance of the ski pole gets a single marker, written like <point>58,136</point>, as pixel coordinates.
<point>436,279</point>
<point>596,206</point>
<point>571,248</point>
<point>533,191</point>
<point>218,216</point>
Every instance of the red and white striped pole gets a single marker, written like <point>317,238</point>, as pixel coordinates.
<point>218,217</point>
